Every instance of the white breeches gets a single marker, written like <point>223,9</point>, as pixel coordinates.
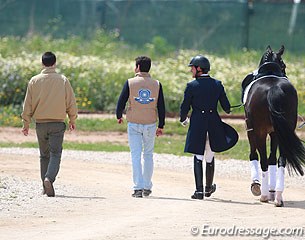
<point>208,153</point>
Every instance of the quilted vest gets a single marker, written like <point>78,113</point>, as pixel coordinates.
<point>143,98</point>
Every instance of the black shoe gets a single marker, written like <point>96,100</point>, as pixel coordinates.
<point>146,192</point>
<point>137,193</point>
<point>48,187</point>
<point>198,173</point>
<point>209,190</point>
<point>197,195</point>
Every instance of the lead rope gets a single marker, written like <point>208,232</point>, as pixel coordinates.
<point>236,106</point>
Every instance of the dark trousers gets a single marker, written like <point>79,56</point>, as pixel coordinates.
<point>50,139</point>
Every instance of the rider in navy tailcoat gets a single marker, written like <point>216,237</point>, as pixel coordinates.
<point>202,95</point>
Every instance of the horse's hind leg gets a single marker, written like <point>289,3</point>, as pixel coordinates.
<point>272,166</point>
<point>280,178</point>
<point>255,185</point>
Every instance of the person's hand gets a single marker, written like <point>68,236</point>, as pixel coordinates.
<point>72,126</point>
<point>159,132</point>
<point>120,120</point>
<point>25,131</point>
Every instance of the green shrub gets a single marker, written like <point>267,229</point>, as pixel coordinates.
<point>10,116</point>
<point>97,69</point>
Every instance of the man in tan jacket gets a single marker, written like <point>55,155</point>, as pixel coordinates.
<point>48,100</point>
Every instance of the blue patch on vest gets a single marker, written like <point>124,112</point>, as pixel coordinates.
<point>144,97</point>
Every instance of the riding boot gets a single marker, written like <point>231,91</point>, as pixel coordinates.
<point>209,174</point>
<point>198,179</point>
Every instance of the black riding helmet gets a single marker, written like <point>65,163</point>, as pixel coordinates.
<point>200,61</point>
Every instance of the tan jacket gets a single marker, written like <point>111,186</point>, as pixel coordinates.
<point>49,98</point>
<point>143,99</point>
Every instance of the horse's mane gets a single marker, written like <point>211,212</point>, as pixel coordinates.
<point>271,56</point>
<point>267,57</point>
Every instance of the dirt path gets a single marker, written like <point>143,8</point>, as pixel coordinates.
<point>14,135</point>
<point>94,201</point>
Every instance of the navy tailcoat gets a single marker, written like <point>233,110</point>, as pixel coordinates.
<point>202,95</point>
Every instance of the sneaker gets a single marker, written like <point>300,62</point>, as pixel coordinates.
<point>137,193</point>
<point>48,187</point>
<point>146,192</point>
<point>197,195</point>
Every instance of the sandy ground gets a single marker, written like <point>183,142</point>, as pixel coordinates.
<point>14,135</point>
<point>93,200</point>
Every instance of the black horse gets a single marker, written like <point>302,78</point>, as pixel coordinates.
<point>271,103</point>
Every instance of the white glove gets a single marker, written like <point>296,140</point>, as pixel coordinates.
<point>185,122</point>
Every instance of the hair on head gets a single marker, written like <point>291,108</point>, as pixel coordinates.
<point>144,62</point>
<point>48,59</point>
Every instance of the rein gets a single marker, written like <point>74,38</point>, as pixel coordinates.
<point>302,124</point>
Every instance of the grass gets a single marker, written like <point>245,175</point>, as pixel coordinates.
<point>172,127</point>
<point>164,144</point>
<point>172,142</point>
<point>239,151</point>
<point>98,124</point>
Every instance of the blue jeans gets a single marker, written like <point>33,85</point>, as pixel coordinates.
<point>142,137</point>
<point>50,138</point>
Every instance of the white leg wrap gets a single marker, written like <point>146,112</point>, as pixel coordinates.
<point>265,183</point>
<point>272,177</point>
<point>280,179</point>
<point>254,171</point>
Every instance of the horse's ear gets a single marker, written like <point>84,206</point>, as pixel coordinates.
<point>281,51</point>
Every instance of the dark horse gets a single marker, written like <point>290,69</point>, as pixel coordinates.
<point>271,104</point>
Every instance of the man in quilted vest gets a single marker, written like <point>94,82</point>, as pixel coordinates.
<point>145,107</point>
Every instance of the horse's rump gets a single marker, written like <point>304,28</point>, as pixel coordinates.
<point>283,103</point>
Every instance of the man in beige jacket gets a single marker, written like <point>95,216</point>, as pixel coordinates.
<point>48,100</point>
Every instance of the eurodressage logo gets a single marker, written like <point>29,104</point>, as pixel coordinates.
<point>144,97</point>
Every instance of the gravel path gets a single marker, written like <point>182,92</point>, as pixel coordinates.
<point>231,168</point>
<point>15,191</point>
<point>98,204</point>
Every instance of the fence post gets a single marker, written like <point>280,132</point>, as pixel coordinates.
<point>248,8</point>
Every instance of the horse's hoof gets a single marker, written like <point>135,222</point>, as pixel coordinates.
<point>271,196</point>
<point>264,199</point>
<point>279,204</point>
<point>256,189</point>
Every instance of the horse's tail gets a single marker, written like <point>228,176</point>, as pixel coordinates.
<point>290,145</point>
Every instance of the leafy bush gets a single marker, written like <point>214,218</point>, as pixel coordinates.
<point>10,116</point>
<point>100,43</point>
<point>159,47</point>
<point>97,69</point>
